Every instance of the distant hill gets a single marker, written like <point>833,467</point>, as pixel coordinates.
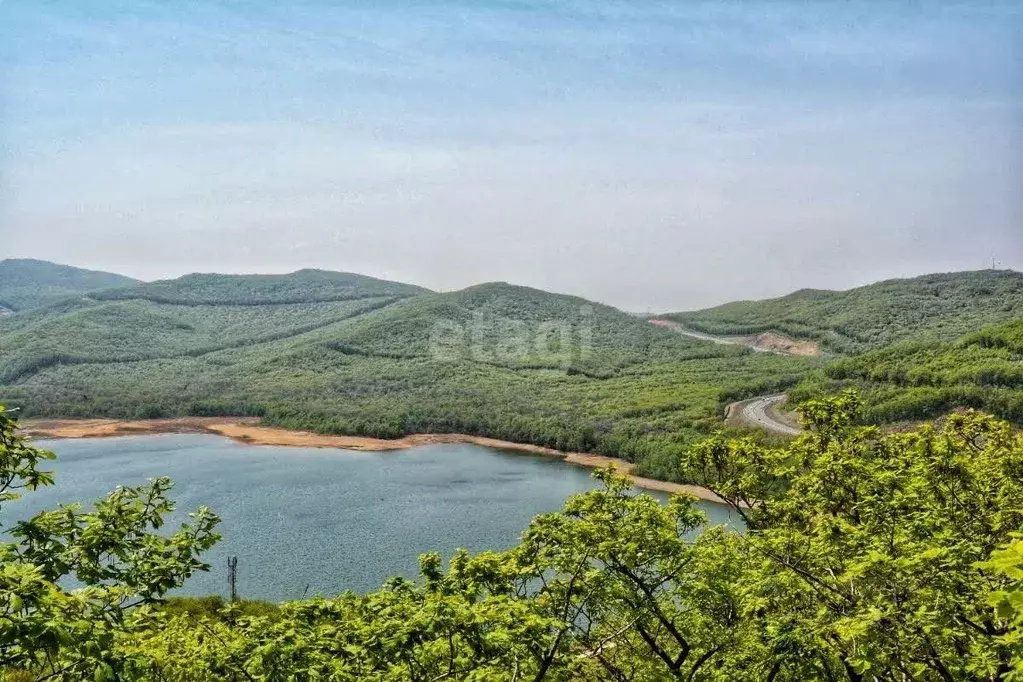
<point>345,354</point>
<point>188,316</point>
<point>514,326</point>
<point>924,380</point>
<point>935,307</point>
<point>26,284</point>
<point>303,286</point>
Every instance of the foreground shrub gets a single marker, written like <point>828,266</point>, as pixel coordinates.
<point>864,556</point>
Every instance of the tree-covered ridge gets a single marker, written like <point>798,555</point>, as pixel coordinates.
<point>514,326</point>
<point>931,307</point>
<point>924,380</point>
<point>26,284</point>
<point>137,329</point>
<point>866,558</point>
<point>303,286</point>
<point>495,360</point>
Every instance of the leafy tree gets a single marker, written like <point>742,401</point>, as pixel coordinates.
<point>870,542</point>
<point>611,588</point>
<point>635,593</point>
<point>866,557</point>
<point>1008,603</point>
<point>52,630</point>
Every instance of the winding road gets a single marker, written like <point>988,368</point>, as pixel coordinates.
<point>757,412</point>
<point>722,340</point>
<point>765,342</point>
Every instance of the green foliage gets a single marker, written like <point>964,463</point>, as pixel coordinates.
<point>494,360</point>
<point>910,381</point>
<point>931,307</point>
<point>303,286</point>
<point>870,542</point>
<point>214,607</point>
<point>19,462</point>
<point>50,630</point>
<point>1008,603</point>
<point>610,588</point>
<point>26,284</point>
<point>865,557</point>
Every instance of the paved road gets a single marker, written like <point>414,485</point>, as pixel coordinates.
<point>756,412</point>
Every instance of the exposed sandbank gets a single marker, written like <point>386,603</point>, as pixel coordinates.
<point>248,430</point>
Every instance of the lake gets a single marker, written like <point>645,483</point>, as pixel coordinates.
<point>320,521</point>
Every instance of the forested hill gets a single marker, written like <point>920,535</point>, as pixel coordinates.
<point>515,326</point>
<point>26,283</point>
<point>495,359</point>
<point>189,316</point>
<point>925,380</point>
<point>939,307</point>
<point>342,353</point>
<point>303,286</point>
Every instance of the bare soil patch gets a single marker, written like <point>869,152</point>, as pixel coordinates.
<point>780,344</point>
<point>770,342</point>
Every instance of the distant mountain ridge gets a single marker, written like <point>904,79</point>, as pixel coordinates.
<point>188,316</point>
<point>301,286</point>
<point>340,353</point>
<point>345,353</point>
<point>936,307</point>
<point>26,283</point>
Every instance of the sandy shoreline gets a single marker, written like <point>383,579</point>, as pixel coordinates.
<point>248,430</point>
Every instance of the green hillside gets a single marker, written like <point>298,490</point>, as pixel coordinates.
<point>932,307</point>
<point>120,331</point>
<point>514,326</point>
<point>495,359</point>
<point>924,380</point>
<point>342,353</point>
<point>26,284</point>
<point>189,316</point>
<point>304,286</point>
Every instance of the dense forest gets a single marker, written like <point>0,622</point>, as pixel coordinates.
<point>924,380</point>
<point>865,557</point>
<point>497,360</point>
<point>26,284</point>
<point>346,354</point>
<point>932,307</point>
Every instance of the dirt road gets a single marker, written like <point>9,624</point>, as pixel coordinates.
<point>723,340</point>
<point>767,342</point>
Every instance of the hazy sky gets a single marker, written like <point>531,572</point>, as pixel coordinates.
<point>653,155</point>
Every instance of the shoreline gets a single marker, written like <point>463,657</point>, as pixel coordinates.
<point>249,431</point>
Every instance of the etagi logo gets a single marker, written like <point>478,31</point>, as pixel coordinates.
<point>549,343</point>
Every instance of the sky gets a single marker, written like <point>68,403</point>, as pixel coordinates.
<point>652,155</point>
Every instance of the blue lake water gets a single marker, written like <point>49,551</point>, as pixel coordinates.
<point>320,521</point>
